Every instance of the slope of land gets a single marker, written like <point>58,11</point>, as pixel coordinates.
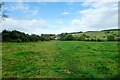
<point>99,34</point>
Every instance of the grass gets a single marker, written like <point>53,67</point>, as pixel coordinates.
<point>60,59</point>
<point>98,34</point>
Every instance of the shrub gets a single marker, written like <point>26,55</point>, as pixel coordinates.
<point>62,36</point>
<point>110,38</point>
<point>99,40</point>
<point>80,38</point>
<point>93,39</point>
<point>87,39</point>
<point>18,40</point>
<point>104,36</point>
<point>87,36</point>
<point>69,37</point>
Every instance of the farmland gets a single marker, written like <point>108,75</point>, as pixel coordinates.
<point>99,34</point>
<point>60,59</point>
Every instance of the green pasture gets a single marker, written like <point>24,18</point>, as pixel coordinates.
<point>60,59</point>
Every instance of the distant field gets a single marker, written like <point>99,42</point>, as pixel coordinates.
<point>99,34</point>
<point>60,59</point>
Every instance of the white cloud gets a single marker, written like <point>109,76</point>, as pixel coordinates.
<point>67,29</point>
<point>19,6</point>
<point>22,7</point>
<point>98,16</point>
<point>29,26</point>
<point>101,15</point>
<point>65,13</point>
<point>37,26</point>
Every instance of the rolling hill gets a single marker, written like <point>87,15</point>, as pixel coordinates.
<point>98,34</point>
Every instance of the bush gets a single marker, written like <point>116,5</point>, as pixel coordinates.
<point>99,40</point>
<point>45,37</point>
<point>17,36</point>
<point>87,39</point>
<point>69,37</point>
<point>87,36</point>
<point>18,40</point>
<point>93,39</point>
<point>110,38</point>
<point>81,38</point>
<point>104,36</point>
<point>62,36</point>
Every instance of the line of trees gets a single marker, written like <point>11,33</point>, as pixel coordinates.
<point>67,37</point>
<point>17,36</point>
<point>83,37</point>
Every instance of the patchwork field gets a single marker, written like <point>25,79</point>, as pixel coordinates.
<point>60,59</point>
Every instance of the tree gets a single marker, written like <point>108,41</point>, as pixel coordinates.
<point>34,37</point>
<point>69,37</point>
<point>110,38</point>
<point>99,40</point>
<point>62,36</point>
<point>3,14</point>
<point>83,35</point>
<point>17,36</point>
<point>45,37</point>
<point>80,38</point>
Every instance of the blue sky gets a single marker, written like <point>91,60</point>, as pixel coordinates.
<point>58,17</point>
<point>48,10</point>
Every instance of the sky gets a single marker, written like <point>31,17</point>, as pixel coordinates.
<point>59,17</point>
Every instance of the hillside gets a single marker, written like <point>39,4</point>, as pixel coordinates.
<point>17,36</point>
<point>99,34</point>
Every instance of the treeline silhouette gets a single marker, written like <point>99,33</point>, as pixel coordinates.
<point>17,36</point>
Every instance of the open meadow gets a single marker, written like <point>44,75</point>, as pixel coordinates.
<point>60,59</point>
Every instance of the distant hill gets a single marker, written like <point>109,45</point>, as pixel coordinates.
<point>112,30</point>
<point>17,36</point>
<point>98,34</point>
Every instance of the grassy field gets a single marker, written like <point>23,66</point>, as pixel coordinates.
<point>98,34</point>
<point>60,59</point>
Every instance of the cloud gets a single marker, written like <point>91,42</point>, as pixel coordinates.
<point>97,16</point>
<point>65,13</point>
<point>19,6</point>
<point>23,7</point>
<point>29,26</point>
<point>37,26</point>
<point>100,15</point>
<point>67,29</point>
